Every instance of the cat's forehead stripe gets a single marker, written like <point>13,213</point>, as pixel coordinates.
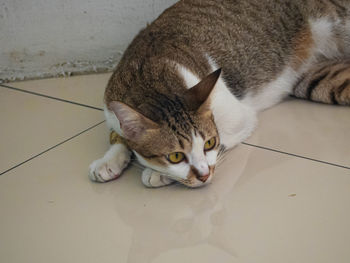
<point>173,113</point>
<point>181,144</point>
<point>183,136</point>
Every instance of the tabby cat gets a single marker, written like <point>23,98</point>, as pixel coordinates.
<point>193,81</point>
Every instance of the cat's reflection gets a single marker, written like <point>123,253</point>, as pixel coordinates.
<point>176,217</point>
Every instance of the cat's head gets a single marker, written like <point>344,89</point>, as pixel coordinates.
<point>182,142</point>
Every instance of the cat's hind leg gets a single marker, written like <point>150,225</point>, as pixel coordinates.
<point>154,179</point>
<point>112,164</point>
<point>327,82</point>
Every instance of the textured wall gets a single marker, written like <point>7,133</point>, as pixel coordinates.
<point>40,38</point>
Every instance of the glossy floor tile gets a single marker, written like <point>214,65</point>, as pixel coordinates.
<point>261,207</point>
<point>85,89</point>
<point>308,129</point>
<point>32,124</point>
<point>265,205</point>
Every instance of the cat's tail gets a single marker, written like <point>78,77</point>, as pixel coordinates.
<point>327,82</point>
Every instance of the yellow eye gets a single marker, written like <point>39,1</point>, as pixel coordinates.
<point>176,157</point>
<point>209,145</point>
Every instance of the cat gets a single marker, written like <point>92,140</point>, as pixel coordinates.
<point>192,82</point>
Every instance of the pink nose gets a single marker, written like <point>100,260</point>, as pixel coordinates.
<point>203,178</point>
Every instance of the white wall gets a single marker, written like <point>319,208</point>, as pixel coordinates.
<point>40,38</point>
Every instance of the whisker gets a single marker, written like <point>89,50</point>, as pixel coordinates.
<point>222,155</point>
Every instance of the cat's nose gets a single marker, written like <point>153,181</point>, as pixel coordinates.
<point>203,178</point>
<point>203,169</point>
<point>201,174</point>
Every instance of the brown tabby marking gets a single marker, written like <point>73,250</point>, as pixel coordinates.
<point>115,138</point>
<point>303,46</point>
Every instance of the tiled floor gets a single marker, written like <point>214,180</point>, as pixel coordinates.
<point>283,196</point>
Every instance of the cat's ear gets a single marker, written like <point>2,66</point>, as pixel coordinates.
<point>133,124</point>
<point>198,95</point>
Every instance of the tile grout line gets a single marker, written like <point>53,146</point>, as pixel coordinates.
<point>295,155</point>
<point>50,97</point>
<point>244,143</point>
<point>53,147</point>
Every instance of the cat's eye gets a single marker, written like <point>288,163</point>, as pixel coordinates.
<point>176,158</point>
<point>209,145</point>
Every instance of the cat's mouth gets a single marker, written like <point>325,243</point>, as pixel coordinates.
<point>194,180</point>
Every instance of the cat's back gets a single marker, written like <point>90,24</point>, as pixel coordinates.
<point>250,39</point>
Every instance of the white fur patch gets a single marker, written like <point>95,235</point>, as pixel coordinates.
<point>197,157</point>
<point>190,79</point>
<point>212,157</point>
<point>273,92</point>
<point>323,34</point>
<point>112,121</point>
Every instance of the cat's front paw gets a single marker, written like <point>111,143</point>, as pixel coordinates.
<point>154,179</point>
<point>112,164</point>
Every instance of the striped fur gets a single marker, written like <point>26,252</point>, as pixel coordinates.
<point>327,82</point>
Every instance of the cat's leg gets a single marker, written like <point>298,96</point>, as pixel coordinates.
<point>154,179</point>
<point>327,82</point>
<point>112,164</point>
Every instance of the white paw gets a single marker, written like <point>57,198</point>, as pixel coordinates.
<point>112,164</point>
<point>152,178</point>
